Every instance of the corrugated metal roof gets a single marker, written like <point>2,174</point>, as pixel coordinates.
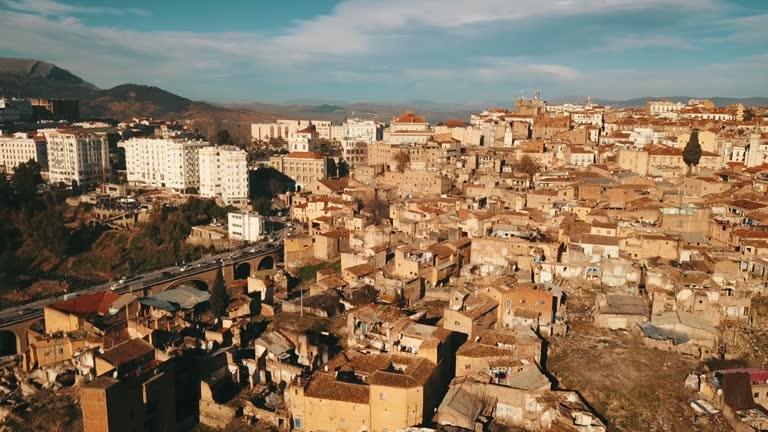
<point>176,299</point>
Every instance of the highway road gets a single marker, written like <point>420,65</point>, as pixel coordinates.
<point>34,309</point>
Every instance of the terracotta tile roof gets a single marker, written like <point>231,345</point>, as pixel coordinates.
<point>409,117</point>
<point>324,386</point>
<point>128,351</point>
<point>304,155</point>
<point>88,305</point>
<point>361,270</point>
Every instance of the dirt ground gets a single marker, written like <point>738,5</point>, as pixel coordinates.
<point>50,411</point>
<point>633,387</point>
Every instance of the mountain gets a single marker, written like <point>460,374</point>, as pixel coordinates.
<point>34,78</point>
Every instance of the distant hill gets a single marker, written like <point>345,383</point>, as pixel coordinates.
<point>641,101</point>
<point>34,78</point>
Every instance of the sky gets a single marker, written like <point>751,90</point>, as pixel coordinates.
<point>452,51</point>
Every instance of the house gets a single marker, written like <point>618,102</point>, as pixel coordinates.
<point>621,311</point>
<point>681,332</point>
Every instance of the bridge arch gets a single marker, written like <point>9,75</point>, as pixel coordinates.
<point>242,270</point>
<point>200,284</point>
<point>9,343</point>
<point>267,263</point>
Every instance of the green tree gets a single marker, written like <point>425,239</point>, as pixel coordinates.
<point>223,137</point>
<point>692,150</point>
<point>262,205</point>
<point>343,168</point>
<point>26,178</point>
<point>219,296</point>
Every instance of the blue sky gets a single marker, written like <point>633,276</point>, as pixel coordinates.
<point>457,51</point>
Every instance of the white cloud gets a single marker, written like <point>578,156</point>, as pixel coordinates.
<point>54,8</point>
<point>339,47</point>
<point>630,42</point>
<point>497,70</point>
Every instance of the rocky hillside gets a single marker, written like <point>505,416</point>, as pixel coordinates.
<point>34,78</point>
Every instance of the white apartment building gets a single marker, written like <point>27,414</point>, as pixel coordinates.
<point>408,129</point>
<point>304,140</point>
<point>20,148</point>
<point>77,156</point>
<point>245,226</point>
<point>283,128</point>
<point>662,106</point>
<point>163,163</point>
<point>224,173</point>
<point>357,134</point>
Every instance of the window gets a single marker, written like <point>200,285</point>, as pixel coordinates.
<point>382,396</point>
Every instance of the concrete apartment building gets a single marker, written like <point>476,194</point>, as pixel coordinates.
<point>357,135</point>
<point>163,163</point>
<point>55,109</point>
<point>304,140</point>
<point>302,167</point>
<point>15,110</point>
<point>20,148</point>
<point>245,226</point>
<point>283,128</point>
<point>224,173</point>
<point>77,156</point>
<point>408,128</point>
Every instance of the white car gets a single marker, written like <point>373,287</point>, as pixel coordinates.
<point>183,268</point>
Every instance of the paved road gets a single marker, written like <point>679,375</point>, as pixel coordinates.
<point>34,309</point>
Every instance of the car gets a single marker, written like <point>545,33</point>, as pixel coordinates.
<point>183,268</point>
<point>128,278</point>
<point>252,250</point>
<point>116,285</point>
<point>218,261</point>
<point>166,274</point>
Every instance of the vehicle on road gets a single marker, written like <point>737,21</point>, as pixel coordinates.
<point>166,274</point>
<point>183,268</point>
<point>128,278</point>
<point>252,250</point>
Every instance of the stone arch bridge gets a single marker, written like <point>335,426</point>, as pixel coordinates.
<point>13,332</point>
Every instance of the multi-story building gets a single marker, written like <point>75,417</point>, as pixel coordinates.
<point>245,226</point>
<point>163,163</point>
<point>304,140</point>
<point>77,156</point>
<point>408,128</point>
<point>302,167</point>
<point>663,106</point>
<point>22,148</point>
<point>55,109</point>
<point>224,173</point>
<point>15,110</point>
<point>357,134</point>
<point>283,128</point>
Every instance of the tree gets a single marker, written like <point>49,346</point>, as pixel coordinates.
<point>262,205</point>
<point>223,137</point>
<point>692,150</point>
<point>26,178</point>
<point>342,168</point>
<point>402,159</point>
<point>527,165</point>
<point>378,209</point>
<point>219,296</point>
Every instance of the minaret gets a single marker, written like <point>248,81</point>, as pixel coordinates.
<point>753,158</point>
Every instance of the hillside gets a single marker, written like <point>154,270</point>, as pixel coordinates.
<point>34,78</point>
